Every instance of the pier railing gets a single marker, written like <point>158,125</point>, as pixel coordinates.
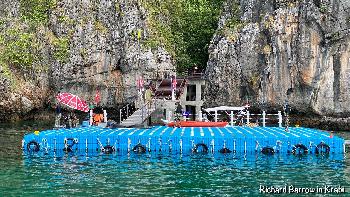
<point>246,118</point>
<point>142,114</point>
<point>126,111</point>
<point>263,117</point>
<point>149,107</point>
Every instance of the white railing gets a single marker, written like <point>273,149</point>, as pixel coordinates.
<point>247,117</point>
<point>125,110</point>
<point>146,109</point>
<point>263,115</point>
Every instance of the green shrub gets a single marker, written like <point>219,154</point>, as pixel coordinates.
<point>36,11</point>
<point>323,8</point>
<point>7,73</point>
<point>19,48</point>
<point>65,19</point>
<point>61,49</point>
<point>184,27</point>
<point>100,27</point>
<point>118,9</point>
<point>83,52</point>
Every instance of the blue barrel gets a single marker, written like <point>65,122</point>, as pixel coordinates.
<point>85,124</point>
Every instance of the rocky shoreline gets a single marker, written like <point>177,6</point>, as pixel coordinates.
<point>306,120</point>
<point>323,122</point>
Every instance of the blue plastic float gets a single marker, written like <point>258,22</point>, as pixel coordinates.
<point>237,139</point>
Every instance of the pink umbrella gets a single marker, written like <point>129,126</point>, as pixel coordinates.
<point>73,101</point>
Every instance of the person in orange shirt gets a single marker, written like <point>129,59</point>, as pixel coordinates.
<point>98,118</point>
<point>101,117</point>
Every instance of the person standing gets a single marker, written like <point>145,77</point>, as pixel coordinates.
<point>75,120</point>
<point>58,115</point>
<point>178,114</point>
<point>286,110</point>
<point>148,97</point>
<point>69,120</point>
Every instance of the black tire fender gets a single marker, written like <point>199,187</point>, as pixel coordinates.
<point>299,147</point>
<point>69,147</point>
<point>322,148</point>
<point>268,150</point>
<point>33,146</point>
<point>225,150</point>
<point>108,149</point>
<point>197,146</point>
<point>139,148</point>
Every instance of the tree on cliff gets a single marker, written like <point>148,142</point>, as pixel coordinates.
<point>184,27</point>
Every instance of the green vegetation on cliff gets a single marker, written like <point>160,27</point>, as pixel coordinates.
<point>61,49</point>
<point>19,48</point>
<point>184,28</point>
<point>36,11</point>
<point>233,24</point>
<point>23,41</point>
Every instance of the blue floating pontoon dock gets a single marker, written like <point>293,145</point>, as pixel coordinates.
<point>237,139</point>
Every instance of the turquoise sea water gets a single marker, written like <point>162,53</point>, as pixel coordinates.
<point>160,174</point>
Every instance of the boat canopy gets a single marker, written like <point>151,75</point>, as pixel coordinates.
<point>225,108</point>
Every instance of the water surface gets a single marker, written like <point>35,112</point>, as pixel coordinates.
<point>158,174</point>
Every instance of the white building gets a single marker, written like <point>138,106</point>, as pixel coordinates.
<point>189,93</point>
<point>192,98</point>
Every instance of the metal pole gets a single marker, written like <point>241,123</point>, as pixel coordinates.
<point>105,115</point>
<point>231,115</point>
<point>142,113</point>
<point>264,118</point>
<point>200,118</point>
<point>173,89</point>
<point>169,115</point>
<point>148,109</point>
<point>287,123</point>
<point>91,117</point>
<point>248,117</point>
<point>173,95</point>
<point>120,116</point>
<point>279,119</point>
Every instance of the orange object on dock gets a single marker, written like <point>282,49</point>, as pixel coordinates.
<point>197,124</point>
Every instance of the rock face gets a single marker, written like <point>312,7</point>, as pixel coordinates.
<point>20,92</point>
<point>88,46</point>
<point>106,50</point>
<point>277,50</point>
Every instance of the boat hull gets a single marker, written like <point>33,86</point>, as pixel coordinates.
<point>197,124</point>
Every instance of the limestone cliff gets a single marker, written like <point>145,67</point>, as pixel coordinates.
<point>271,51</point>
<point>83,46</point>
